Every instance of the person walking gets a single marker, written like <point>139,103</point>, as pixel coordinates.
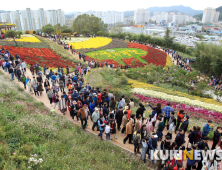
<point>180,115</point>
<point>29,84</point>
<point>50,95</point>
<point>61,85</point>
<point>95,117</point>
<point>23,80</point>
<point>101,125</point>
<point>119,116</point>
<point>124,122</point>
<point>129,132</point>
<point>166,112</point>
<point>55,100</point>
<point>82,115</point>
<point>11,72</point>
<point>136,141</point>
<point>149,125</point>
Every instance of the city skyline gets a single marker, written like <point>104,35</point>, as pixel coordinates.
<point>98,5</point>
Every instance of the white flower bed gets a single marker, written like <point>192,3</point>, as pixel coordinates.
<point>177,99</point>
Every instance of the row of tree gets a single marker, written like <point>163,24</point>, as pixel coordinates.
<point>167,41</point>
<point>83,24</point>
<point>209,58</point>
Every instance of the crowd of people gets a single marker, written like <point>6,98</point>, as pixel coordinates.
<point>112,114</point>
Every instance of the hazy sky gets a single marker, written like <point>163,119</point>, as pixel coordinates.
<point>104,5</point>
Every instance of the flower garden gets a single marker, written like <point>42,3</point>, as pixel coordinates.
<point>207,109</point>
<point>119,52</point>
<point>119,55</point>
<point>33,51</point>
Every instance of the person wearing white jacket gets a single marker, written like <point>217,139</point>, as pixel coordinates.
<point>171,128</point>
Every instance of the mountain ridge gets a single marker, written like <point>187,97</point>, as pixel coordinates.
<point>180,8</point>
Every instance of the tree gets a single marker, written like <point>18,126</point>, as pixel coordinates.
<point>168,40</point>
<point>10,33</point>
<point>100,33</point>
<point>67,30</point>
<point>113,35</point>
<point>19,33</point>
<point>48,29</point>
<point>90,22</point>
<point>85,31</point>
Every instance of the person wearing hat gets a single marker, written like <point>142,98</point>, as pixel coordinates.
<point>95,117</point>
<point>166,111</point>
<point>152,144</point>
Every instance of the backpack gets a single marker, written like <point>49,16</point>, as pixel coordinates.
<point>135,138</point>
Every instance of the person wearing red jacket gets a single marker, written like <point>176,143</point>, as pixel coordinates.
<point>68,104</point>
<point>99,98</point>
<point>180,115</point>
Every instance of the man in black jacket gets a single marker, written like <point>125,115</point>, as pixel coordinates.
<point>180,138</point>
<point>119,117</point>
<point>217,136</point>
<point>140,110</point>
<point>185,124</point>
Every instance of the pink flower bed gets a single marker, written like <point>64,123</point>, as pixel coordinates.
<point>191,110</point>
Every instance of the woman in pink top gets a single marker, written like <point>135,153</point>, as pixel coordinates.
<point>149,125</point>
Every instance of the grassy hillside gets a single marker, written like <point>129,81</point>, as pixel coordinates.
<point>31,138</point>
<point>219,9</point>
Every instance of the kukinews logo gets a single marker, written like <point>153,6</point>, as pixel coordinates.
<point>196,155</point>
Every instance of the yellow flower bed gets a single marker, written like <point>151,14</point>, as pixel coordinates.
<point>28,39</point>
<point>136,84</point>
<point>92,43</point>
<point>168,61</point>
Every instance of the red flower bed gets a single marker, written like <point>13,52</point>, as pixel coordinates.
<point>153,55</point>
<point>133,62</point>
<point>42,56</point>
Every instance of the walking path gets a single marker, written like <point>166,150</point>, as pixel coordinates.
<point>44,99</point>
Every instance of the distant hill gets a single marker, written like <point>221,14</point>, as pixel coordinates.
<point>182,9</point>
<point>128,13</point>
<point>219,9</point>
<point>2,11</point>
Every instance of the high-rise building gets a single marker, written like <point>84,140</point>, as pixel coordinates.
<point>210,15</point>
<point>33,19</point>
<point>141,16</point>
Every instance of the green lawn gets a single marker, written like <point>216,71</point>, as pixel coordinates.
<point>117,54</point>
